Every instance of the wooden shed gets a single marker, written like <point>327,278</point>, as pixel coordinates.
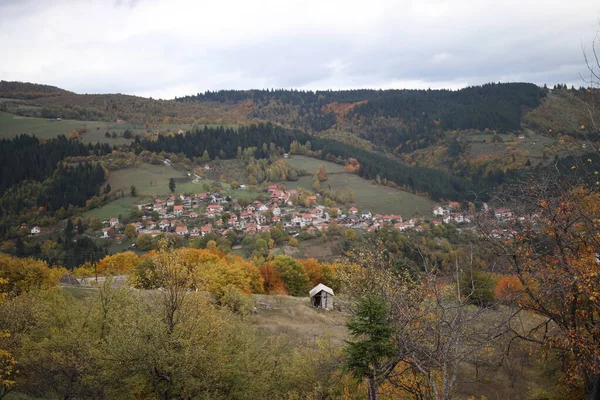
<point>321,296</point>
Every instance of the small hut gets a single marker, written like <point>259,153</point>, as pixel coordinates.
<point>68,279</point>
<point>321,296</point>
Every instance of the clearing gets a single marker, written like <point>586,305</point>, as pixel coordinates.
<point>113,209</point>
<point>377,198</point>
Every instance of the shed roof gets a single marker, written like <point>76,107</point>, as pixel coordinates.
<point>320,287</point>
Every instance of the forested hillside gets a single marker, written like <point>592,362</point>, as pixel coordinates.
<point>27,90</point>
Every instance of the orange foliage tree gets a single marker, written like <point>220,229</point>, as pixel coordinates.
<point>509,289</point>
<point>120,263</point>
<point>556,261</point>
<point>352,166</point>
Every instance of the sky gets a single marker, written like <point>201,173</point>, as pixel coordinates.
<point>168,48</point>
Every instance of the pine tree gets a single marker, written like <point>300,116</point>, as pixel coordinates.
<point>133,191</point>
<point>172,185</point>
<point>80,227</point>
<point>370,354</point>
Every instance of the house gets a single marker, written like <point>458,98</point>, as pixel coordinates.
<point>446,219</point>
<point>458,217</point>
<point>276,211</point>
<point>113,221</point>
<point>150,224</point>
<point>353,210</point>
<point>181,230</point>
<point>402,226</point>
<point>439,210</point>
<point>35,230</point>
<point>297,220</point>
<point>455,205</point>
<point>178,210</point>
<point>521,136</point>
<point>165,223</point>
<point>502,213</point>
<point>251,229</point>
<point>215,208</point>
<point>105,232</point>
<point>206,167</point>
<point>205,229</point>
<point>366,214</point>
<point>415,221</point>
<point>232,220</point>
<point>195,232</point>
<point>321,296</point>
<point>272,188</point>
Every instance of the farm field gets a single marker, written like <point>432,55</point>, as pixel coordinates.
<point>310,164</point>
<point>114,208</point>
<point>12,125</point>
<point>377,198</point>
<point>148,179</point>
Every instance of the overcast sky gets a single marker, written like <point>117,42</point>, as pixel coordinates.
<point>167,48</point>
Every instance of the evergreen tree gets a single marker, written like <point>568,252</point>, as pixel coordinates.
<point>107,188</point>
<point>370,353</point>
<point>80,227</point>
<point>172,185</point>
<point>133,191</point>
<point>69,229</point>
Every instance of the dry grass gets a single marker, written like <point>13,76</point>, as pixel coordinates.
<point>297,319</point>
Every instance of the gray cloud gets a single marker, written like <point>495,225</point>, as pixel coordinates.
<point>165,48</point>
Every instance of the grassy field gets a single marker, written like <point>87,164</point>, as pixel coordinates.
<point>311,164</point>
<point>149,179</point>
<point>377,198</point>
<point>113,209</point>
<point>12,125</point>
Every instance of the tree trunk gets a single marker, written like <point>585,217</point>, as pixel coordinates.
<point>373,395</point>
<point>592,387</point>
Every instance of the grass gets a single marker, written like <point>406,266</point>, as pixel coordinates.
<point>377,198</point>
<point>13,125</point>
<point>81,292</point>
<point>113,209</point>
<point>310,164</point>
<point>150,179</point>
<point>296,318</point>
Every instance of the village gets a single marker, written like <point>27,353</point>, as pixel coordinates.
<point>196,215</point>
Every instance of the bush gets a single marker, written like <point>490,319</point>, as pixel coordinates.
<point>236,301</point>
<point>478,287</point>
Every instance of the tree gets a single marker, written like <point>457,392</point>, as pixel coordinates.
<point>144,242</point>
<point>95,224</point>
<point>321,173</point>
<point>80,226</point>
<point>205,156</point>
<point>107,188</point>
<point>292,274</point>
<point>235,185</point>
<point>69,229</point>
<point>316,184</point>
<point>130,231</point>
<point>172,185</point>
<point>435,328</point>
<point>133,191</point>
<point>555,261</point>
<point>371,351</point>
<point>118,264</point>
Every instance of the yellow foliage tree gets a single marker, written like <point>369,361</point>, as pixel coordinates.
<point>120,263</point>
